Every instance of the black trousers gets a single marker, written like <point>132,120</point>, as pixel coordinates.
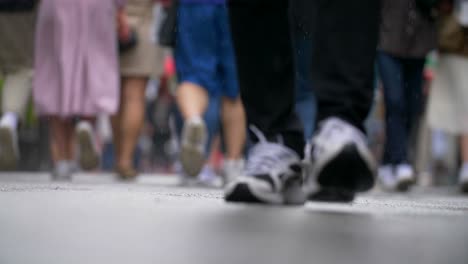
<point>344,39</point>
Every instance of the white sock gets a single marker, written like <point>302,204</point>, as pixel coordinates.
<point>10,119</point>
<point>196,119</point>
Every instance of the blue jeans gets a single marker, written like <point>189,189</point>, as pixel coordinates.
<point>402,85</point>
<point>306,105</point>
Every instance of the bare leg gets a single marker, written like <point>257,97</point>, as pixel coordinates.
<point>234,124</point>
<point>192,100</point>
<point>61,139</point>
<point>128,122</point>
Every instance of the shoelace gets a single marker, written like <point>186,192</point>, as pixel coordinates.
<point>264,155</point>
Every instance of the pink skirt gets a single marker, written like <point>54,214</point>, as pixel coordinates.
<point>76,59</point>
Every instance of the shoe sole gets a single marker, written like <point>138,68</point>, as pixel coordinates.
<point>191,158</point>
<point>244,193</point>
<point>346,172</point>
<point>247,192</point>
<point>404,185</point>
<point>89,158</point>
<point>8,158</point>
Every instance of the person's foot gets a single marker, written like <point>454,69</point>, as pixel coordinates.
<point>341,162</point>
<point>232,168</point>
<point>273,175</point>
<point>9,149</point>
<point>404,174</point>
<point>387,177</point>
<point>88,155</point>
<point>194,137</point>
<point>62,171</point>
<point>463,178</point>
<point>208,177</point>
<point>126,173</point>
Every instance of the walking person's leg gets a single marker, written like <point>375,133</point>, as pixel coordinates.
<point>16,94</point>
<point>412,99</point>
<point>61,141</point>
<point>88,154</point>
<point>391,74</point>
<point>232,109</point>
<point>197,69</point>
<point>128,123</point>
<point>344,35</point>
<point>263,49</point>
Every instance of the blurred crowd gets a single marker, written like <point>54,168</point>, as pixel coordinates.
<point>144,86</point>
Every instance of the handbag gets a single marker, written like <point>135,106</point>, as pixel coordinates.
<point>451,35</point>
<point>17,5</point>
<point>130,43</point>
<point>167,34</point>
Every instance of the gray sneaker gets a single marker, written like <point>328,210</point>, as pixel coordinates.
<point>192,154</point>
<point>88,154</point>
<point>273,175</point>
<point>341,162</point>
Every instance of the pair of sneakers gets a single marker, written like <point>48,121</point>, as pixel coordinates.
<point>400,177</point>
<point>338,164</point>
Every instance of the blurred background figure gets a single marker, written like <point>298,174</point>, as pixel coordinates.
<point>17,22</point>
<point>137,65</point>
<point>448,104</point>
<point>76,74</point>
<point>407,35</point>
<point>205,65</point>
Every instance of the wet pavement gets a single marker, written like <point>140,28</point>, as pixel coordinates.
<point>96,219</point>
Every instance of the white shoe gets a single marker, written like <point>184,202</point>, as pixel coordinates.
<point>463,178</point>
<point>387,177</point>
<point>192,155</point>
<point>9,149</point>
<point>88,155</point>
<point>273,175</point>
<point>341,162</point>
<point>405,177</point>
<point>208,177</point>
<point>62,171</point>
<point>232,169</point>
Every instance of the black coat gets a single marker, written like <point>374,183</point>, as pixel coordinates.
<point>405,31</point>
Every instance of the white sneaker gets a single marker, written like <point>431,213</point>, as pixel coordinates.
<point>62,171</point>
<point>194,137</point>
<point>387,177</point>
<point>9,149</point>
<point>405,177</point>
<point>463,178</point>
<point>232,169</point>
<point>88,155</point>
<point>273,175</point>
<point>208,177</point>
<point>341,162</point>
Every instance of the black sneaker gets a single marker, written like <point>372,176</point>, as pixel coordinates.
<point>273,175</point>
<point>340,162</point>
